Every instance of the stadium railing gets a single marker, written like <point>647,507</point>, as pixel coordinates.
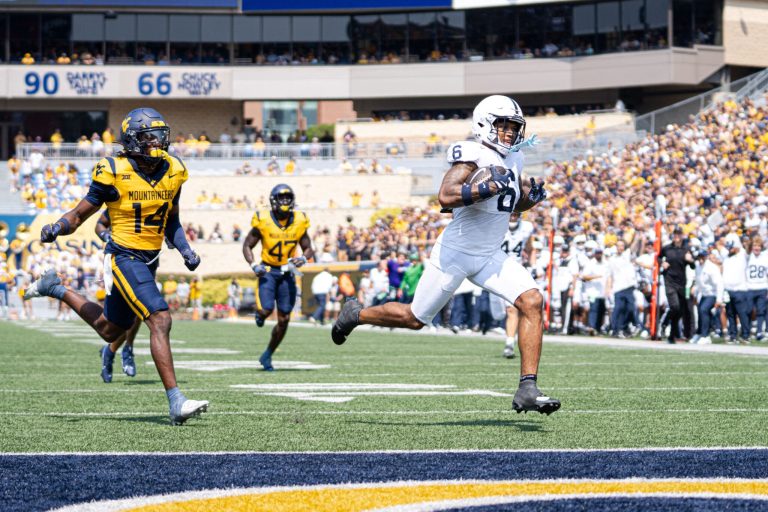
<point>555,148</point>
<point>680,112</point>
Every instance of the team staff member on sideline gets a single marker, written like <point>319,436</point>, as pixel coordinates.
<point>279,230</point>
<point>735,284</point>
<point>141,187</point>
<point>674,258</point>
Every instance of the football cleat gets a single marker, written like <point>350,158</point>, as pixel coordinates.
<point>129,365</point>
<point>529,398</point>
<point>188,409</point>
<point>349,318</point>
<point>107,358</point>
<point>259,320</point>
<point>509,348</point>
<point>43,286</point>
<point>266,362</point>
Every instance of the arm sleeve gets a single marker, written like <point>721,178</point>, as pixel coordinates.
<point>174,231</point>
<point>98,194</point>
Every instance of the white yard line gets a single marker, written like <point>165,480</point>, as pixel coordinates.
<point>452,413</point>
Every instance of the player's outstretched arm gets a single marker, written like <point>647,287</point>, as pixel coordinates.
<point>69,222</point>
<point>450,195</point>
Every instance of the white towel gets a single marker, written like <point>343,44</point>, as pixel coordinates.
<point>108,273</point>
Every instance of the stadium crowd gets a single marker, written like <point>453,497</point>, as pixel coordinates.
<point>705,180</point>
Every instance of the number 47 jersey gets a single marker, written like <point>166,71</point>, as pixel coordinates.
<point>479,228</point>
<point>279,239</point>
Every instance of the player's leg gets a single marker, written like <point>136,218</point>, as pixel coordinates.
<point>433,292</point>
<point>508,279</point>
<point>511,328</point>
<point>49,285</point>
<point>129,364</point>
<point>136,284</point>
<point>286,298</point>
<point>265,298</point>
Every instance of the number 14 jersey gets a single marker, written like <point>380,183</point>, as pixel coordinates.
<point>479,228</point>
<point>140,212</point>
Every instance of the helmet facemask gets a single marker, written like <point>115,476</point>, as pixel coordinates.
<point>153,143</point>
<point>282,203</point>
<point>500,127</point>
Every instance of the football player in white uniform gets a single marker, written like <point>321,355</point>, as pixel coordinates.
<point>517,240</point>
<point>470,245</point>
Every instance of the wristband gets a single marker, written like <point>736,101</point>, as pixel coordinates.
<point>466,194</point>
<point>105,235</point>
<point>64,225</point>
<point>485,190</point>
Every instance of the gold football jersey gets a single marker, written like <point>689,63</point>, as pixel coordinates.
<point>140,213</point>
<point>278,242</point>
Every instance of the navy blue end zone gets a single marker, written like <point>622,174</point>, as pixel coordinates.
<point>40,482</point>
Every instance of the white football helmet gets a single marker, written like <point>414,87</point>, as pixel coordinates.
<point>487,112</point>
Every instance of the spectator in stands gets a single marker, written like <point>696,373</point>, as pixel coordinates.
<point>170,287</point>
<point>182,292</point>
<point>28,59</point>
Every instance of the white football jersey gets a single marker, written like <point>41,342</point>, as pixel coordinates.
<point>479,228</point>
<point>514,241</point>
<point>757,271</point>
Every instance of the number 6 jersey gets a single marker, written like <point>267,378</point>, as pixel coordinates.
<point>279,239</point>
<point>479,228</point>
<point>138,204</point>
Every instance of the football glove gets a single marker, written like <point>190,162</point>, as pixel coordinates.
<point>298,261</point>
<point>49,232</point>
<point>537,193</point>
<point>259,269</point>
<point>501,177</point>
<point>191,259</point>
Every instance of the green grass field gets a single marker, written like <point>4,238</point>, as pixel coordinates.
<point>391,391</point>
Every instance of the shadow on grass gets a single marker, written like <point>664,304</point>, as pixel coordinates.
<point>158,420</point>
<point>141,382</point>
<point>522,425</point>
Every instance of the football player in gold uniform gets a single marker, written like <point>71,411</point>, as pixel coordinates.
<point>279,230</point>
<point>141,187</point>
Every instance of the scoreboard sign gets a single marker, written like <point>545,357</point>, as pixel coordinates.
<point>118,82</point>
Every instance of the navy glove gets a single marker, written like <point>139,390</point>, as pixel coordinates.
<point>501,177</point>
<point>49,232</point>
<point>537,193</point>
<point>259,269</point>
<point>191,259</point>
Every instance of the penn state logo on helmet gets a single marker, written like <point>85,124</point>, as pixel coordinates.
<point>281,199</point>
<point>494,113</point>
<point>145,134</point>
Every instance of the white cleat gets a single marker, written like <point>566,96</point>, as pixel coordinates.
<point>189,409</point>
<point>509,348</point>
<point>705,340</point>
<point>42,286</point>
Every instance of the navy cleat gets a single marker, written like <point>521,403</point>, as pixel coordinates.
<point>107,358</point>
<point>266,362</point>
<point>129,365</point>
<point>187,409</point>
<point>349,318</point>
<point>259,320</point>
<point>43,287</point>
<point>529,398</point>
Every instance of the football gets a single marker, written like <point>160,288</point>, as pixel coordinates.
<point>483,174</point>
